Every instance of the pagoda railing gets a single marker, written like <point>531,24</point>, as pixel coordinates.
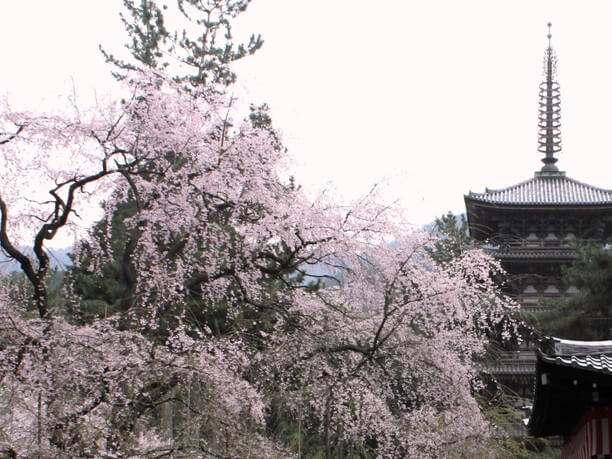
<point>513,362</point>
<point>506,245</point>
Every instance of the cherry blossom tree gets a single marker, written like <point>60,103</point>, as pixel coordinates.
<point>95,390</point>
<point>385,361</point>
<point>371,345</point>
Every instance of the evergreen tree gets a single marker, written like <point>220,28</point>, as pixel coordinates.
<point>206,58</point>
<point>453,238</point>
<point>105,295</point>
<point>587,314</point>
<point>199,58</point>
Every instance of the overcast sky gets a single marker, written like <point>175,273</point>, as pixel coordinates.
<point>436,97</point>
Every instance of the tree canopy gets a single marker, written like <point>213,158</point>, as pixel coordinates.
<point>340,331</point>
<point>196,46</point>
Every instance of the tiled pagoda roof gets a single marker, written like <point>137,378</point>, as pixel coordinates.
<point>546,189</point>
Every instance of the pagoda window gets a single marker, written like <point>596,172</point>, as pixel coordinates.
<point>593,230</point>
<point>551,290</point>
<point>569,239</point>
<point>571,290</point>
<point>533,240</point>
<point>551,240</point>
<point>529,297</point>
<point>530,290</point>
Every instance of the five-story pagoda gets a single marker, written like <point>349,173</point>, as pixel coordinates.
<point>532,226</point>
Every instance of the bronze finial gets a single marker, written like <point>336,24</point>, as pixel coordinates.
<point>549,124</point>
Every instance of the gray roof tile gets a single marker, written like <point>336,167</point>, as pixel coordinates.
<point>598,363</point>
<point>546,189</point>
<point>589,355</point>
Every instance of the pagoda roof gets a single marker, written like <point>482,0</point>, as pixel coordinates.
<point>545,189</point>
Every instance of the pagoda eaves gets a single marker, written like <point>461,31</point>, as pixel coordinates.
<point>543,190</point>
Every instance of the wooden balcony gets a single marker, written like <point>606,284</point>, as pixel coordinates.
<point>550,242</point>
<point>513,363</point>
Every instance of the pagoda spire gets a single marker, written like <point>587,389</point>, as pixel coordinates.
<point>549,123</point>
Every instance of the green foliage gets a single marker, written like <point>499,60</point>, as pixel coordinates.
<point>21,292</point>
<point>504,411</point>
<point>527,448</point>
<point>305,438</point>
<point>207,53</point>
<point>284,426</point>
<point>148,33</point>
<point>105,295</point>
<point>199,54</point>
<point>587,314</point>
<point>453,238</point>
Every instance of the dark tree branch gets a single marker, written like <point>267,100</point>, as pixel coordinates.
<point>20,127</point>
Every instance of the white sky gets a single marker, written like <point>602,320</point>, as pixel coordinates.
<point>439,97</point>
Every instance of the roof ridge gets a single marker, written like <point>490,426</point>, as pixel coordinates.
<point>555,189</point>
<point>516,185</point>
<point>588,185</point>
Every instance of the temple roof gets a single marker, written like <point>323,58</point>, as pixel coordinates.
<point>545,189</point>
<point>572,377</point>
<point>588,355</point>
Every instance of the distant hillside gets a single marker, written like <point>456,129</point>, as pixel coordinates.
<point>59,259</point>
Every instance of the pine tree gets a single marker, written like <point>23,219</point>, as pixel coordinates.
<point>453,238</point>
<point>587,314</point>
<point>199,58</point>
<point>207,57</point>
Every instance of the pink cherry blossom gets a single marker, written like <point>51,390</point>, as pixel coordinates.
<point>383,354</point>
